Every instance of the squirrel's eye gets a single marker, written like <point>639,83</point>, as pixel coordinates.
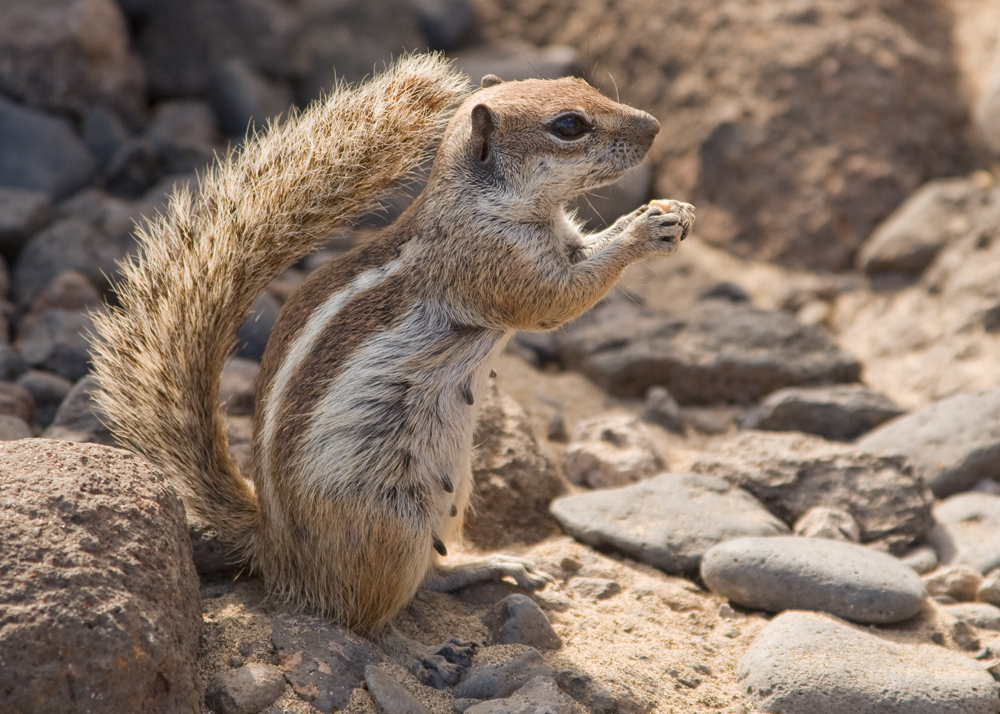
<point>569,126</point>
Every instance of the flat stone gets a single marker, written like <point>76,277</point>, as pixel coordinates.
<point>495,681</point>
<point>518,620</point>
<point>668,521</point>
<point>245,690</point>
<point>609,450</point>
<point>805,663</point>
<point>791,473</point>
<point>99,594</point>
<point>967,531</point>
<point>953,442</point>
<point>841,412</point>
<point>322,661</point>
<point>716,351</point>
<point>539,696</point>
<point>390,696</point>
<point>793,573</point>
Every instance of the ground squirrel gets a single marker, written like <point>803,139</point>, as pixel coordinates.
<point>366,398</point>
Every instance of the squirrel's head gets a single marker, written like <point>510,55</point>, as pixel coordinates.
<point>533,145</point>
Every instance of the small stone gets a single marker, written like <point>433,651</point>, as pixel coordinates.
<point>12,364</point>
<point>541,695</point>
<point>495,681</point>
<point>56,341</point>
<point>13,428</point>
<point>960,582</point>
<point>839,413</point>
<point>245,690</point>
<point>445,23</point>
<point>518,620</point>
<point>922,559</point>
<point>668,521</point>
<point>953,442</point>
<point>17,401</point>
<point>557,429</point>
<point>22,214</point>
<point>967,531</point>
<point>978,614</point>
<point>661,408</point>
<point>792,573</point>
<point>213,557</point>
<point>805,663</point>
<point>389,695</point>
<point>49,390</point>
<point>611,450</point>
<point>965,636</point>
<point>77,418</point>
<point>595,588</point>
<point>989,590</point>
<point>831,523</point>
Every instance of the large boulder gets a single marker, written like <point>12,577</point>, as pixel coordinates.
<point>98,589</point>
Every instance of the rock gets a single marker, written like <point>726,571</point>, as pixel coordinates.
<point>556,430</point>
<point>183,136</point>
<point>541,694</point>
<point>986,112</point>
<point>77,418</point>
<point>726,290</point>
<point>65,55</point>
<point>792,573</point>
<point>989,590</point>
<point>69,290</point>
<point>958,582</point>
<point>13,428</point>
<point>12,365</point>
<point>104,133</point>
<point>595,588</point>
<point>909,240</point>
<point>515,481</point>
<point>17,401</point>
<point>518,620</point>
<point>668,521</point>
<point>613,449</point>
<point>831,523</point>
<point>41,153</point>
<point>245,690</point>
<point>603,206</point>
<point>389,695</point>
<point>48,391</point>
<point>512,60</point>
<point>922,559</point>
<point>967,531</point>
<point>596,699</point>
<point>56,341</point>
<point>213,557</point>
<point>791,473</point>
<point>253,334</point>
<point>22,214</point>
<point>95,546</point>
<point>978,614</point>
<point>953,442</point>
<point>446,24</point>
<point>322,661</point>
<point>495,681</point>
<point>839,413</point>
<point>714,352</point>
<point>661,408</point>
<point>803,663</point>
<point>243,99</point>
<point>237,386</point>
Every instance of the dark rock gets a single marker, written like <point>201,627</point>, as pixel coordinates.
<point>237,386</point>
<point>183,135</point>
<point>13,428</point>
<point>909,240</point>
<point>65,55</point>
<point>989,590</point>
<point>56,341</point>
<point>243,99</point>
<point>41,152</point>
<point>603,206</point>
<point>253,334</point>
<point>77,418</point>
<point>104,132</point>
<point>803,663</point>
<point>389,695</point>
<point>445,24</point>
<point>967,531</point>
<point>518,620</point>
<point>94,541</point>
<point>611,449</point>
<point>731,292</point>
<point>839,413</point>
<point>17,401</point>
<point>791,473</point>
<point>513,60</point>
<point>668,521</point>
<point>661,408</point>
<point>793,573</point>
<point>953,442</point>
<point>213,557</point>
<point>22,214</point>
<point>557,429</point>
<point>245,690</point>
<point>322,661</point>
<point>715,352</point>
<point>495,681</point>
<point>12,364</point>
<point>514,480</point>
<point>541,695</point>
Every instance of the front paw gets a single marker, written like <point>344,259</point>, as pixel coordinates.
<point>523,571</point>
<point>668,222</point>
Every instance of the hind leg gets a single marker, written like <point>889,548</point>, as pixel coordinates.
<point>437,667</point>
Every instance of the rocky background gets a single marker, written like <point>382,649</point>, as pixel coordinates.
<point>765,473</point>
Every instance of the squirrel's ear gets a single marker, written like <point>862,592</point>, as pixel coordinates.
<point>483,126</point>
<point>490,80</point>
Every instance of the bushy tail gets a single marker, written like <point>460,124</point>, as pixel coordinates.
<point>159,354</point>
